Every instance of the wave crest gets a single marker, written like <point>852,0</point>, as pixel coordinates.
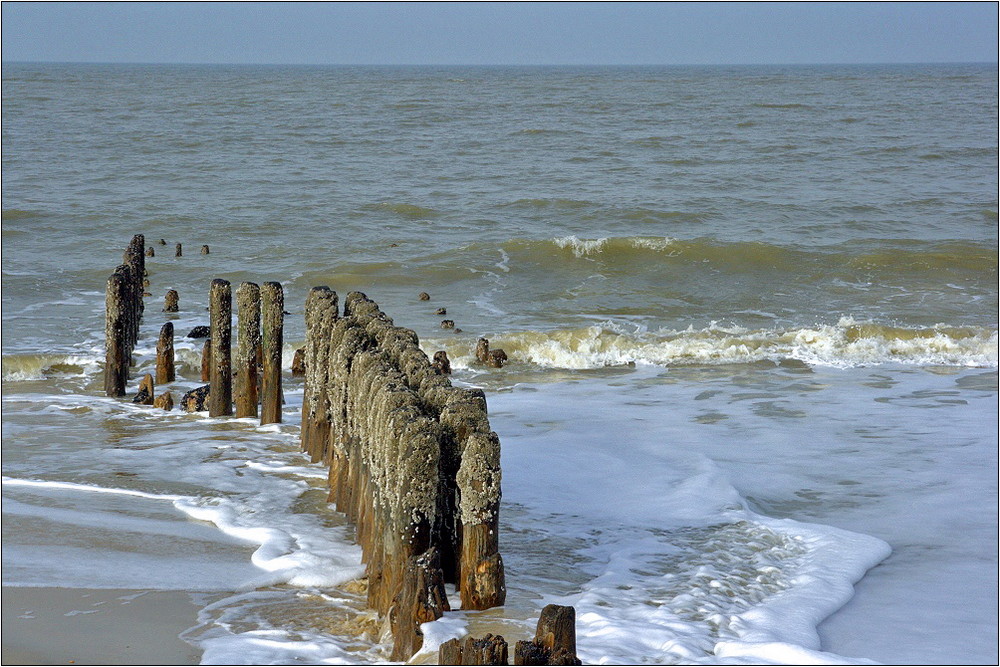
<point>845,344</point>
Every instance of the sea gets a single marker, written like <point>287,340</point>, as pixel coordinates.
<point>749,414</point>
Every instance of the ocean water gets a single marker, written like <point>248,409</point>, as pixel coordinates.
<point>750,414</point>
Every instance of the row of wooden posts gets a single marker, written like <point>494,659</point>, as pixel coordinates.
<point>412,460</point>
<point>256,378</point>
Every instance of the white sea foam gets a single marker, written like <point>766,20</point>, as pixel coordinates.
<point>845,344</point>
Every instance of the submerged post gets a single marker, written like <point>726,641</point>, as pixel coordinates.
<point>273,308</point>
<point>165,355</point>
<point>247,340</point>
<point>117,351</point>
<point>220,398</point>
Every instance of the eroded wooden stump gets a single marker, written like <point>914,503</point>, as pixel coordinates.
<point>196,400</point>
<point>170,301</point>
<point>165,371</point>
<point>146,389</point>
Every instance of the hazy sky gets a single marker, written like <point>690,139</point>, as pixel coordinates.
<point>500,33</point>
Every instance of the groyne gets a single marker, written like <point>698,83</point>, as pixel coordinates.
<point>411,458</point>
<point>412,461</point>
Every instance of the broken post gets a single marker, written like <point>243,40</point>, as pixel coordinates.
<point>220,399</point>
<point>247,370</point>
<point>146,390</point>
<point>272,312</point>
<point>177,250</point>
<point>555,639</point>
<point>165,355</point>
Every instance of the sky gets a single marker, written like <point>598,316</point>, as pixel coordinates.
<point>500,33</point>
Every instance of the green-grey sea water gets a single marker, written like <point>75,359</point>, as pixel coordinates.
<point>786,273</point>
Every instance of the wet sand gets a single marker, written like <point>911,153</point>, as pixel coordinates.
<point>60,626</point>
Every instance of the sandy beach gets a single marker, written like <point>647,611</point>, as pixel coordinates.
<point>59,626</point>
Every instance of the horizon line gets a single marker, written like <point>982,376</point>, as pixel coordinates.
<point>693,64</point>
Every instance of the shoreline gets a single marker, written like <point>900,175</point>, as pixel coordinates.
<point>58,626</point>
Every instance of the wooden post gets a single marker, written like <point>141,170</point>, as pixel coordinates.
<point>247,342</point>
<point>204,250</point>
<point>165,355</point>
<point>272,315</point>
<point>170,301</point>
<point>177,250</point>
<point>482,580</point>
<point>555,639</point>
<point>135,258</point>
<point>421,599</point>
<point>320,313</point>
<point>146,390</point>
<point>206,360</point>
<point>220,398</point>
<point>117,351</point>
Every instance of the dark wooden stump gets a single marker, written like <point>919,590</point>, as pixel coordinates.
<point>441,363</point>
<point>177,250</point>
<point>204,250</point>
<point>555,639</point>
<point>117,350</point>
<point>165,355</point>
<point>221,374</point>
<point>272,308</point>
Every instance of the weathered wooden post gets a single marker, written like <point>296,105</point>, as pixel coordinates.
<point>481,566</point>
<point>320,313</point>
<point>117,351</point>
<point>170,301</point>
<point>247,342</point>
<point>165,355</point>
<point>555,639</point>
<point>220,398</point>
<point>177,250</point>
<point>136,259</point>
<point>272,311</point>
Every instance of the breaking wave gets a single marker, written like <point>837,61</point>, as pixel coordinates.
<point>845,344</point>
